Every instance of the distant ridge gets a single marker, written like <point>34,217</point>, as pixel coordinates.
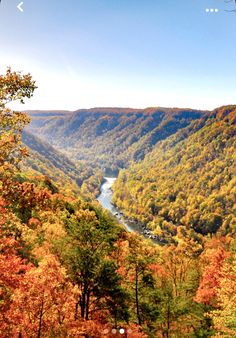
<point>48,112</point>
<point>110,138</point>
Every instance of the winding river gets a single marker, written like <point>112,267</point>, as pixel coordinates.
<point>105,199</point>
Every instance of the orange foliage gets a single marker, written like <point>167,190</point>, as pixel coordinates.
<point>12,269</point>
<point>209,283</point>
<point>43,304</point>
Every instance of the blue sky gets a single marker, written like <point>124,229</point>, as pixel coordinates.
<point>90,53</point>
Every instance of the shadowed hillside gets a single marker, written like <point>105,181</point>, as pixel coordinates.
<point>45,159</point>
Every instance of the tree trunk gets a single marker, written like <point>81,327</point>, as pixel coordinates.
<point>87,305</point>
<point>136,296</point>
<point>82,303</point>
<point>40,319</point>
<point>76,309</point>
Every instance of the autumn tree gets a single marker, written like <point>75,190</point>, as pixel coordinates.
<point>13,87</point>
<point>176,274</point>
<point>135,258</point>
<point>224,314</point>
<point>214,259</point>
<point>41,305</point>
<point>12,269</point>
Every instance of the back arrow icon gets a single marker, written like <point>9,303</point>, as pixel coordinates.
<point>20,6</point>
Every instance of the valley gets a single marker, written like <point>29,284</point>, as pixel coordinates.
<point>171,151</point>
<point>116,219</point>
<point>117,169</point>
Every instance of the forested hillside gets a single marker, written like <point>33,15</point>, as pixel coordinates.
<point>69,269</point>
<point>110,138</point>
<point>187,180</point>
<point>45,159</point>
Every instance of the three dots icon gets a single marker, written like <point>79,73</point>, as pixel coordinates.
<point>119,331</point>
<point>212,10</point>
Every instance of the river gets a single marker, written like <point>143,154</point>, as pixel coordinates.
<point>105,199</point>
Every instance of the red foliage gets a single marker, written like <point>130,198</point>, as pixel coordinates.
<point>209,283</point>
<point>3,204</point>
<point>3,210</point>
<point>158,270</point>
<point>12,269</point>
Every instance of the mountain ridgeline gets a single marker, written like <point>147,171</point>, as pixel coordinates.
<point>176,166</point>
<point>69,268</point>
<point>110,138</point>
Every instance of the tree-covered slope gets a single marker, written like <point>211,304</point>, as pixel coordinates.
<point>45,159</point>
<point>188,179</point>
<point>68,269</point>
<point>110,137</point>
<point>49,154</point>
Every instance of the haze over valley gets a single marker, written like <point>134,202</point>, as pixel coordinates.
<point>110,138</point>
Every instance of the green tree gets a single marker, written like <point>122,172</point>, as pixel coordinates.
<point>91,268</point>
